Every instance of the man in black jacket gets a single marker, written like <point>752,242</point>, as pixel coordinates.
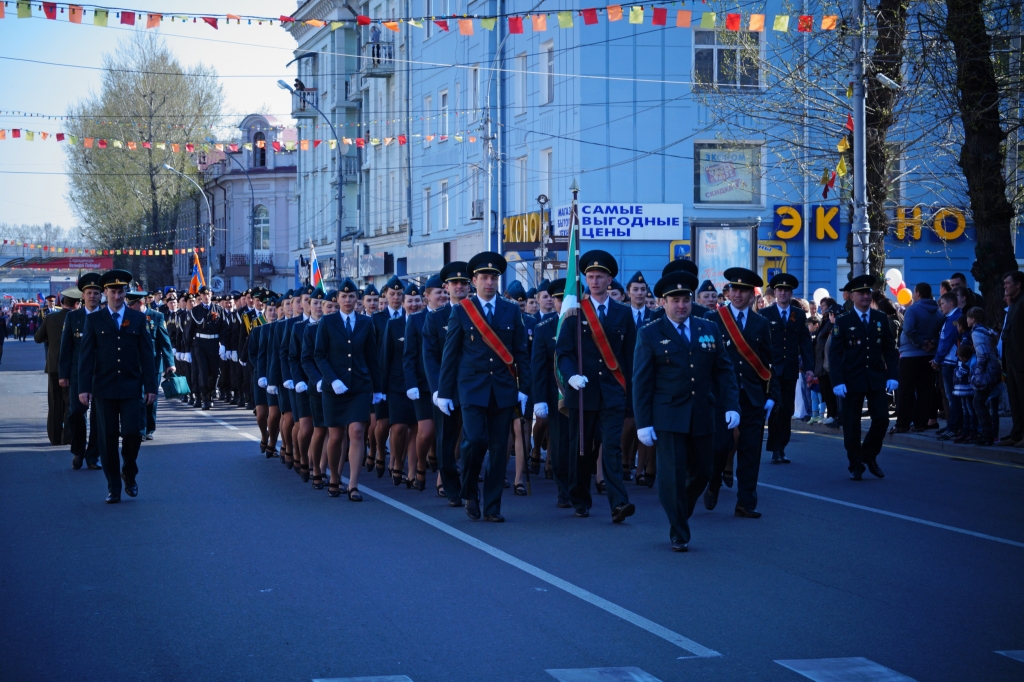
<point>116,369</point>
<point>49,334</point>
<point>70,352</point>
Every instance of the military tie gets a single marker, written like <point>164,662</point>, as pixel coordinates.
<point>739,319</point>
<point>864,317</point>
<point>600,313</point>
<point>639,318</point>
<point>348,324</point>
<point>490,316</point>
<point>684,331</point>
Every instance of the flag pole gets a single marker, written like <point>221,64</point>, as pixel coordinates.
<point>577,290</point>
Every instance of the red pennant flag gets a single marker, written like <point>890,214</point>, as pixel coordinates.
<point>660,16</point>
<point>732,22</point>
<point>590,16</point>
<point>189,147</point>
<point>233,147</point>
<point>128,18</point>
<point>211,21</point>
<point>60,137</point>
<point>849,122</point>
<point>360,142</point>
<point>443,25</point>
<point>316,143</point>
<point>401,140</point>
<point>805,24</point>
<point>362,20</point>
<point>276,145</point>
<point>16,132</point>
<point>50,10</point>
<point>102,144</point>
<point>515,24</point>
<point>147,145</point>
<point>285,20</point>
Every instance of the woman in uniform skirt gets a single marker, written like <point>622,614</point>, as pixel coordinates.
<point>320,304</point>
<point>401,410</point>
<point>266,361</point>
<point>281,371</point>
<point>259,391</point>
<point>345,354</point>
<point>303,431</point>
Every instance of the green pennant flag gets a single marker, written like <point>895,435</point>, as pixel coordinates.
<point>99,17</point>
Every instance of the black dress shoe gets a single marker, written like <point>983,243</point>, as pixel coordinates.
<point>112,498</point>
<point>680,546</point>
<point>130,487</point>
<point>76,463</point>
<point>149,436</point>
<point>727,478</point>
<point>875,470</point>
<point>623,512</point>
<point>582,513</point>
<point>627,475</point>
<point>857,474</point>
<point>93,466</point>
<point>776,458</point>
<point>563,504</point>
<point>747,513</point>
<point>602,487</point>
<point>495,518</point>
<point>473,509</point>
<point>710,499</point>
<point>782,457</point>
<point>455,503</point>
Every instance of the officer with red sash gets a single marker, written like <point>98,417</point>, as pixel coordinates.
<point>603,369</point>
<point>485,360</point>
<point>747,337</point>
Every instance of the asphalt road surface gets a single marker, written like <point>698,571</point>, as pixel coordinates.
<point>228,567</point>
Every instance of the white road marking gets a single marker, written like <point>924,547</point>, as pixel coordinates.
<point>386,678</point>
<point>589,597</point>
<point>225,424</point>
<point>1015,655</point>
<point>844,670</point>
<point>630,674</point>
<point>894,515</point>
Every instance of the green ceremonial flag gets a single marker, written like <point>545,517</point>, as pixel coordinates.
<point>570,298</point>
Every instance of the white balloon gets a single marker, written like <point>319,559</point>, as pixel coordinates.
<point>893,278</point>
<point>820,294</point>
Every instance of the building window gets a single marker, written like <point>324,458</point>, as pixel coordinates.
<point>444,115</point>
<point>474,188</point>
<point>727,60</point>
<point>444,204</point>
<point>546,170</point>
<point>727,173</point>
<point>547,76</point>
<point>428,115</point>
<point>474,92</point>
<point>520,84</point>
<point>522,182</point>
<point>259,150</point>
<point>428,211</point>
<point>261,229</point>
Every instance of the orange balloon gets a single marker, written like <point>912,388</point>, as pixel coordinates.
<point>904,297</point>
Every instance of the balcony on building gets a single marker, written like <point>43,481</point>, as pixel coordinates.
<point>305,102</point>
<point>378,59</point>
<point>354,89</point>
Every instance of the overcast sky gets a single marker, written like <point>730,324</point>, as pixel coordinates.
<point>232,50</point>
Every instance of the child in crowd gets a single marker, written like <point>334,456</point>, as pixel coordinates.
<point>817,405</point>
<point>986,376</point>
<point>962,389</point>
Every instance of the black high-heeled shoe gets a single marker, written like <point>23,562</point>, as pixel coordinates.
<point>397,477</point>
<point>318,481</point>
<point>334,489</point>
<point>420,481</point>
<point>379,465</point>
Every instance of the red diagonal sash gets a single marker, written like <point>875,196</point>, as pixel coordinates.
<point>601,340</point>
<point>741,343</point>
<point>488,335</point>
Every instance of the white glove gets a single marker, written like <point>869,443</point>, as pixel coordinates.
<point>646,435</point>
<point>540,410</point>
<point>188,357</point>
<point>768,405</point>
<point>732,419</point>
<point>577,381</point>
<point>378,397</point>
<point>413,394</point>
<point>262,383</point>
<point>891,385</point>
<point>839,390</point>
<point>241,363</point>
<point>289,384</point>
<point>523,399</point>
<point>445,406</point>
<point>175,351</point>
<point>433,398</point>
<point>221,352</point>
<point>318,384</point>
<point>272,390</point>
<point>338,387</point>
<point>301,387</point>
<point>234,355</point>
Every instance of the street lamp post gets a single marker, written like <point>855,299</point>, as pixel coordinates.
<point>341,183</point>
<point>252,218</point>
<point>209,234</point>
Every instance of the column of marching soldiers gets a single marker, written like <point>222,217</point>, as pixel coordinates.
<point>455,378</point>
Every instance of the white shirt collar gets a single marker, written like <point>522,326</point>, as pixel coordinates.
<point>119,313</point>
<point>607,296</point>
<point>485,301</point>
<point>783,311</point>
<point>684,325</point>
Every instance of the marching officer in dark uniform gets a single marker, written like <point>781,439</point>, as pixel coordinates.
<point>49,333</point>
<point>520,425</point>
<point>70,353</point>
<point>747,338</point>
<point>163,354</point>
<point>636,298</point>
<point>863,363</point>
<point>605,362</point>
<point>243,368</point>
<point>418,390</point>
<point>205,328</point>
<point>791,350</point>
<point>545,394</point>
<point>116,371</point>
<point>681,362</point>
<point>485,361</point>
<point>707,295</point>
<point>681,265</point>
<point>393,293</point>
<point>447,427</point>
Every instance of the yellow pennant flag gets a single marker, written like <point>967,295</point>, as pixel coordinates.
<point>707,20</point>
<point>843,145</point>
<point>488,24</point>
<point>24,10</point>
<point>335,25</point>
<point>636,15</point>
<point>289,146</point>
<point>332,143</point>
<point>161,145</point>
<point>841,168</point>
<point>72,139</point>
<point>565,20</point>
<point>247,146</point>
<point>781,23</point>
<point>99,17</point>
<point>117,143</point>
<point>30,136</point>
<point>849,91</point>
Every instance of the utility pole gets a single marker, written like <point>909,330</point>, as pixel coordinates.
<point>860,229</point>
